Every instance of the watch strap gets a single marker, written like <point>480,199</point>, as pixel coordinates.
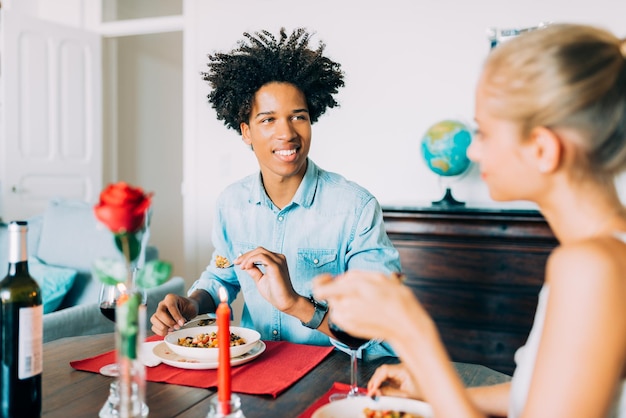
<point>320,312</point>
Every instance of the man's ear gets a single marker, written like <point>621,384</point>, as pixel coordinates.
<point>245,133</point>
<point>548,149</point>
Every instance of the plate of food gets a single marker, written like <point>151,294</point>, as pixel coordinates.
<point>382,407</point>
<point>169,357</point>
<point>201,343</point>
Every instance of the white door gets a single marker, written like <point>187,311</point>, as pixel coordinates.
<point>51,78</point>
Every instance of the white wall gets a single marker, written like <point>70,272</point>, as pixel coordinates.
<point>408,64</point>
<point>149,132</point>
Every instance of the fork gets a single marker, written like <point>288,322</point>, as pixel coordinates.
<point>230,265</point>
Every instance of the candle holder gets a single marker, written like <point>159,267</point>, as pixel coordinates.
<point>111,408</point>
<point>215,407</point>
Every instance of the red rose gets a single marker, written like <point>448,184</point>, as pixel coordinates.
<point>122,208</point>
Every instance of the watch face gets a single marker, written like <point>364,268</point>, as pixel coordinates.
<point>318,305</point>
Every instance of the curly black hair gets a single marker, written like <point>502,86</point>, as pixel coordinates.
<point>236,76</point>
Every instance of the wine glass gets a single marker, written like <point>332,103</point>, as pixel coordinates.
<point>353,343</point>
<point>107,301</point>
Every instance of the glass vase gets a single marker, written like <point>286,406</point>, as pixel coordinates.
<point>215,409</point>
<point>127,393</point>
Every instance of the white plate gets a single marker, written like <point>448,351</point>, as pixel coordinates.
<point>353,407</point>
<point>210,354</point>
<point>163,352</point>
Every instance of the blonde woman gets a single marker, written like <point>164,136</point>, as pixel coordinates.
<point>551,116</point>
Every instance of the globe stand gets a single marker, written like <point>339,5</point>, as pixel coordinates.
<point>448,200</point>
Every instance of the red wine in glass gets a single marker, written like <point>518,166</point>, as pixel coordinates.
<point>108,310</point>
<point>107,301</point>
<point>354,343</point>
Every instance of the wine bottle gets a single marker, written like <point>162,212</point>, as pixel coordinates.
<point>21,332</point>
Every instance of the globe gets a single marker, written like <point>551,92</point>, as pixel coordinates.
<point>444,149</point>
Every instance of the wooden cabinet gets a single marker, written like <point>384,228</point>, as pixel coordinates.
<point>477,272</point>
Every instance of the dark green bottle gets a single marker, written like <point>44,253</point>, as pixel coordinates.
<point>21,332</point>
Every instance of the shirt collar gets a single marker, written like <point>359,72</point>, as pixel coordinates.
<point>304,195</point>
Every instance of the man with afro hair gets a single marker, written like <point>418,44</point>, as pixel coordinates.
<point>291,221</point>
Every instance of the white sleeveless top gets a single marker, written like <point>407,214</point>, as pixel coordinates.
<point>525,358</point>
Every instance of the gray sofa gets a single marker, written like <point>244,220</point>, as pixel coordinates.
<point>62,244</point>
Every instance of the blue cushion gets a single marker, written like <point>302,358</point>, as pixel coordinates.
<point>54,282</point>
<point>72,237</point>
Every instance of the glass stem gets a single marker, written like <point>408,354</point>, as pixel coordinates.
<point>354,388</point>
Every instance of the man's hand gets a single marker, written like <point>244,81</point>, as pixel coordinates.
<point>269,271</point>
<point>172,313</point>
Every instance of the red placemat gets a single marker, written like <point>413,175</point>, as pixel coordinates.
<point>323,400</point>
<point>280,366</point>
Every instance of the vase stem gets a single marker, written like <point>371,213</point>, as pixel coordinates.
<point>130,332</point>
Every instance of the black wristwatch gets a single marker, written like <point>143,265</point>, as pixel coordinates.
<point>318,316</point>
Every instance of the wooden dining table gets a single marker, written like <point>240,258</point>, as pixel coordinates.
<point>71,393</point>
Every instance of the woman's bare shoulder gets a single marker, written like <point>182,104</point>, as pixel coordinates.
<point>600,260</point>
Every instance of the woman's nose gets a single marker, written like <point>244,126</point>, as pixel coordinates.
<point>472,151</point>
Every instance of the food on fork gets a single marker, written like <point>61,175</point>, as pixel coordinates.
<point>387,413</point>
<point>221,262</point>
<point>209,340</point>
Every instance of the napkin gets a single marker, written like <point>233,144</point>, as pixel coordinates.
<point>280,366</point>
<point>147,354</point>
<point>323,400</point>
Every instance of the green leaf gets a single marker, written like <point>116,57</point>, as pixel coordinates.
<point>134,244</point>
<point>109,271</point>
<point>154,273</point>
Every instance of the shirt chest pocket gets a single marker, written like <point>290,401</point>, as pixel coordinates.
<point>312,262</point>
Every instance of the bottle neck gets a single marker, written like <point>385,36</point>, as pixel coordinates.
<point>18,269</point>
<point>17,242</point>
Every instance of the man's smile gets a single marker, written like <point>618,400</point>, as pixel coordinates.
<point>285,152</point>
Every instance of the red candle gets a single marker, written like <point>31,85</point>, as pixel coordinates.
<point>223,342</point>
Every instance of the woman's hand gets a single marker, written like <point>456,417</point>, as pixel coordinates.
<point>368,304</point>
<point>393,380</point>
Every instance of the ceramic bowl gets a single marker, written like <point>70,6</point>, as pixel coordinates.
<point>211,354</point>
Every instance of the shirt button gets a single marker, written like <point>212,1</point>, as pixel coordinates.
<point>275,332</point>
<point>316,261</point>
<point>280,218</point>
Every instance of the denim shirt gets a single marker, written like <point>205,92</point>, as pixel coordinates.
<point>330,226</point>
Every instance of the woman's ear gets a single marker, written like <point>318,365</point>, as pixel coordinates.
<point>548,149</point>
<point>245,133</point>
